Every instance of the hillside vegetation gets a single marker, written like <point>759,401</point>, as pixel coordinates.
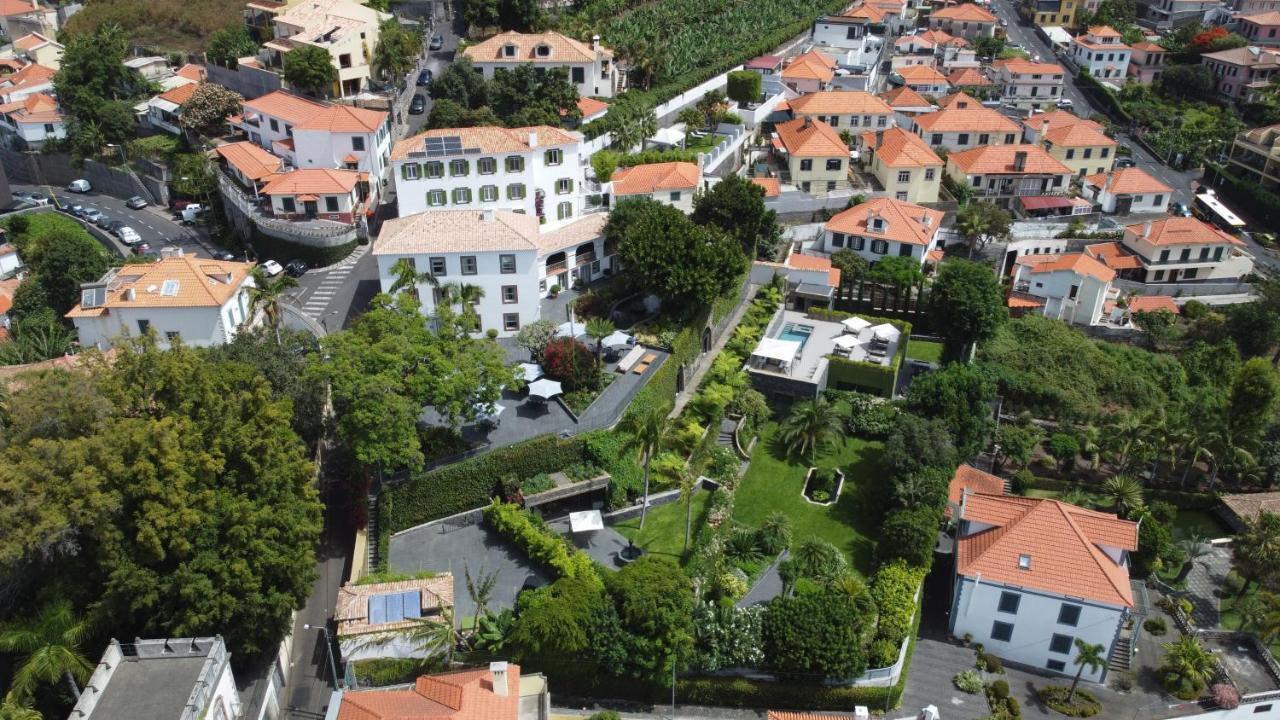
<point>163,25</point>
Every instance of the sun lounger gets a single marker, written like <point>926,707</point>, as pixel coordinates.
<point>630,359</point>
<point>645,363</point>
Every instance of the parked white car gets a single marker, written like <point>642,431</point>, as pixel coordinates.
<point>79,186</point>
<point>271,268</point>
<point>129,236</point>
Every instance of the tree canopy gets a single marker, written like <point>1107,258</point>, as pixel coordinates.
<point>310,69</point>
<point>229,44</point>
<point>814,636</point>
<point>736,206</point>
<point>967,305</point>
<point>209,107</point>
<point>672,257</point>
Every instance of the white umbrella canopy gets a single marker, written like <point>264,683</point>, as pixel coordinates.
<point>886,332</point>
<point>545,388</point>
<point>855,323</point>
<point>585,521</point>
<point>570,329</point>
<point>617,337</point>
<point>846,341</point>
<point>529,371</point>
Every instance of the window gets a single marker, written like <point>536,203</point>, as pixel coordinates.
<point>1158,200</point>
<point>438,266</point>
<point>510,295</point>
<point>357,143</point>
<point>1073,292</point>
<point>835,164</point>
<point>1217,253</point>
<point>1024,562</point>
<point>675,196</point>
<point>144,326</point>
<point>488,193</point>
<point>1002,631</point>
<point>330,203</point>
<point>344,60</point>
<point>1159,276</point>
<point>487,166</point>
<point>507,264</point>
<point>904,250</point>
<point>879,247</point>
<point>515,191</point>
<point>837,239</point>
<point>1009,602</point>
<point>409,171</point>
<point>511,322</point>
<point>1069,614</point>
<point>963,139</point>
<point>984,139</point>
<point>461,196</point>
<point>543,51</point>
<point>1190,273</point>
<point>436,198</point>
<point>1060,644</point>
<point>1164,256</point>
<point>433,169</point>
<point>929,174</point>
<point>857,243</point>
<point>880,121</point>
<point>831,185</point>
<point>835,121</point>
<point>508,50</point>
<point>1185,255</point>
<point>1088,153</point>
<point>1105,152</point>
<point>1071,154</point>
<point>1204,253</point>
<point>459,167</point>
<point>936,139</point>
<point>904,176</point>
<point>579,75</point>
<point>469,265</point>
<point>564,186</point>
<point>564,210</point>
<point>553,156</point>
<point>806,165</point>
<point>1261,709</point>
<point>1056,665</point>
<point>901,195</point>
<point>515,163</point>
<point>288,205</point>
<point>275,126</point>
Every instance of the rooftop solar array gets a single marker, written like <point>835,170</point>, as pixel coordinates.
<point>394,607</point>
<point>442,146</point>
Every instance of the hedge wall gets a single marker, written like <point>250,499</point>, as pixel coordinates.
<point>266,246</point>
<point>880,379</point>
<point>472,483</point>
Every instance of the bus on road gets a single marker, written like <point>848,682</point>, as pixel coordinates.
<point>1209,208</point>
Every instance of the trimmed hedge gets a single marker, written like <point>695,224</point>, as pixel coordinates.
<point>266,246</point>
<point>472,483</point>
<point>539,543</point>
<point>894,589</point>
<point>880,379</point>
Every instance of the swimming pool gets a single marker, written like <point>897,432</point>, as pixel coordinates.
<point>797,332</point>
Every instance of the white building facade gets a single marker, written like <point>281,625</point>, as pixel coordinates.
<point>591,68</point>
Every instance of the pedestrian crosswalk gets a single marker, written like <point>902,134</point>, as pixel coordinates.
<point>319,300</point>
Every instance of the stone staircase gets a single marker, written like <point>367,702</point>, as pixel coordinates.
<point>727,429</point>
<point>1122,653</point>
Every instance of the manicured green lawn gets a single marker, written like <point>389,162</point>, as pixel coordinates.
<point>775,482</point>
<point>924,350</point>
<point>42,223</point>
<point>663,532</point>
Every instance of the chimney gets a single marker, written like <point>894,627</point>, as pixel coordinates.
<point>130,294</point>
<point>498,670</point>
<point>487,215</point>
<point>808,122</point>
<point>1146,229</point>
<point>1020,161</point>
<point>533,139</point>
<point>595,43</point>
<point>1106,186</point>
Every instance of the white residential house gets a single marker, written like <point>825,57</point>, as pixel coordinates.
<point>670,183</point>
<point>848,31</point>
<point>1026,599</point>
<point>591,67</point>
<point>1071,287</point>
<point>1184,249</point>
<point>200,301</point>
<point>33,120</point>
<point>1127,191</point>
<point>179,678</point>
<point>1000,173</point>
<point>346,29</point>
<point>1027,84</point>
<point>22,17</point>
<point>1101,51</point>
<point>164,111</point>
<point>500,251</point>
<point>27,81</point>
<point>534,170</point>
<point>883,227</point>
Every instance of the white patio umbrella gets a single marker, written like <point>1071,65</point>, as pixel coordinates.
<point>855,324</point>
<point>585,521</point>
<point>570,329</point>
<point>617,337</point>
<point>846,341</point>
<point>529,371</point>
<point>545,388</point>
<point>886,331</point>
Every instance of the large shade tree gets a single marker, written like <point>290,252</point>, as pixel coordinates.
<point>967,306</point>
<point>672,257</point>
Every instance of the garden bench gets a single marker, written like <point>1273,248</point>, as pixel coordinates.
<point>645,363</point>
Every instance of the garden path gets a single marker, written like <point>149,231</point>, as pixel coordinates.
<point>1208,574</point>
<point>768,587</point>
<point>701,369</point>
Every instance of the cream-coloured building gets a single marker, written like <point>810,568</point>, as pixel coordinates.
<point>817,159</point>
<point>1182,249</point>
<point>964,123</point>
<point>967,20</point>
<point>853,109</point>
<point>1083,149</point>
<point>591,67</point>
<point>1127,190</point>
<point>39,49</point>
<point>345,29</point>
<point>1002,172</point>
<point>906,167</point>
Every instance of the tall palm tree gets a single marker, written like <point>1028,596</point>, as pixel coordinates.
<point>598,329</point>
<point>268,293</point>
<point>1087,655</point>
<point>688,488</point>
<point>408,278</point>
<point>1090,439</point>
<point>1125,493</point>
<point>693,119</point>
<point>812,424</point>
<point>1262,612</point>
<point>1187,666</point>
<point>49,645</point>
<point>480,588</point>
<point>647,429</point>
<point>1229,451</point>
<point>1196,444</point>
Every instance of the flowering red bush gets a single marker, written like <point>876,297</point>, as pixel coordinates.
<point>572,363</point>
<point>1225,696</point>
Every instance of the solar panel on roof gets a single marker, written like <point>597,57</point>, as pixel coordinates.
<point>377,609</point>
<point>394,607</point>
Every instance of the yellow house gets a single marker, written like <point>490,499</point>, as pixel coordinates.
<point>817,159</point>
<point>1084,149</point>
<point>908,169</point>
<point>1062,12</point>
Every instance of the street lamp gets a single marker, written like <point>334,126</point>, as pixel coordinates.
<point>328,650</point>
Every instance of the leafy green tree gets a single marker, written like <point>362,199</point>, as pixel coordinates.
<point>283,357</point>
<point>310,69</point>
<point>1125,492</point>
<point>556,622</point>
<point>967,305</point>
<point>672,257</point>
<point>209,107</point>
<point>982,222</point>
<point>229,44</point>
<point>66,259</point>
<point>482,13</point>
<point>654,601</point>
<point>812,425</point>
<point>598,329</point>
<point>852,266</point>
<point>461,83</point>
<point>1251,402</point>
<point>744,86</point>
<point>1256,552</point>
<point>1160,327</point>
<point>645,431</point>
<point>814,635</point>
<point>910,534</point>
<point>1064,448</point>
<point>961,396</point>
<point>632,126</point>
<point>693,120</point>
<point>407,278</point>
<point>535,336</point>
<point>449,114</point>
<point>36,337</point>
<point>194,176</point>
<point>267,295</point>
<point>12,708</point>
<point>736,206</point>
<point>92,74</point>
<point>918,444</point>
<point>1018,442</point>
<point>517,91</point>
<point>49,646</point>
<point>818,559</point>
<point>1255,327</point>
<point>1194,82</point>
<point>1088,655</point>
<point>897,271</point>
<point>396,51</point>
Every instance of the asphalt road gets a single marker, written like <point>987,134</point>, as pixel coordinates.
<point>334,296</point>
<point>1025,35</point>
<point>449,28</point>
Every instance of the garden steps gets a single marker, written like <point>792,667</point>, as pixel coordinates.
<point>728,428</point>
<point>1120,656</point>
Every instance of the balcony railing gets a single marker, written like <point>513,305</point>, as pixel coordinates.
<point>558,267</point>
<point>584,259</point>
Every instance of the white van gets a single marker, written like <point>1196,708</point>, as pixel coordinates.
<point>79,186</point>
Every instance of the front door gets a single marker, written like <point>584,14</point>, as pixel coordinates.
<point>309,209</point>
<point>1124,203</point>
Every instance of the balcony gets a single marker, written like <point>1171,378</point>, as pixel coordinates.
<point>556,268</point>
<point>583,259</point>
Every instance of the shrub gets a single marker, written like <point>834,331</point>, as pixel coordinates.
<point>882,653</point>
<point>541,482</point>
<point>893,589</point>
<point>1084,704</point>
<point>1022,480</point>
<point>969,681</point>
<point>1155,626</point>
<point>999,688</point>
<point>910,534</point>
<point>605,715</point>
<point>1225,696</point>
<point>1122,681</point>
<point>539,543</point>
<point>814,636</point>
<point>572,363</point>
<point>988,663</point>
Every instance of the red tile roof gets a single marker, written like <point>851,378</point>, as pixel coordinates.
<point>1128,181</point>
<point>898,148</point>
<point>969,479</point>
<point>1078,263</point>
<point>772,186</point>
<point>252,161</point>
<point>904,222</point>
<point>806,137</point>
<point>800,261</point>
<point>1114,255</point>
<point>1060,541</point>
<point>590,106</point>
<point>905,97</point>
<point>921,75</point>
<point>840,102</point>
<point>1180,231</point>
<point>967,11</point>
<point>562,49</point>
<point>461,695</point>
<point>1152,303</point>
<point>812,65</point>
<point>322,181</point>
<point>647,179</point>
<point>1000,159</point>
<point>180,95</point>
<point>489,139</point>
<point>305,114</point>
<point>968,77</point>
<point>964,114</point>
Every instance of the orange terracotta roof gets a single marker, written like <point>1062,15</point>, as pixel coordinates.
<point>999,160</point>
<point>180,95</point>
<point>1180,231</point>
<point>966,117</point>
<point>904,97</point>
<point>1018,301</point>
<point>1153,303</point>
<point>940,37</point>
<point>9,8</point>
<point>969,479</point>
<point>352,615</point>
<point>1023,66</point>
<point>1103,31</point>
<point>589,106</point>
<point>1077,135</point>
<point>968,77</point>
<point>772,186</point>
<point>28,77</point>
<point>459,695</point>
<point>840,102</point>
<point>1087,42</point>
<point>898,148</point>
<point>1113,255</point>
<point>968,12</point>
<point>1248,506</point>
<point>812,65</point>
<point>196,282</point>
<point>321,181</point>
<point>192,72</point>
<point>563,49</point>
<point>1060,541</point>
<point>904,222</point>
<point>1128,181</point>
<point>1078,263</point>
<point>806,137</point>
<point>935,255</point>
<point>781,715</point>
<point>251,160</point>
<point>488,139</point>
<point>293,109</point>
<point>647,179</point>
<point>1058,118</point>
<point>344,118</point>
<point>457,231</point>
<point>31,41</point>
<point>37,107</point>
<point>1150,47</point>
<point>873,14</point>
<point>921,75</point>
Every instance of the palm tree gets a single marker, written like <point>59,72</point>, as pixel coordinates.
<point>480,588</point>
<point>1187,667</point>
<point>407,277</point>
<point>693,119</point>
<point>1196,443</point>
<point>599,329</point>
<point>819,559</point>
<point>811,425</point>
<point>1090,439</point>
<point>647,430</point>
<point>1125,493</point>
<point>1261,612</point>
<point>14,709</point>
<point>466,296</point>
<point>268,293</point>
<point>1087,655</point>
<point>49,645</point>
<point>688,488</point>
<point>1229,451</point>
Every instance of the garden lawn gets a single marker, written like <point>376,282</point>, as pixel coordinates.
<point>1230,620</point>
<point>924,350</point>
<point>775,482</point>
<point>41,223</point>
<point>663,532</point>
